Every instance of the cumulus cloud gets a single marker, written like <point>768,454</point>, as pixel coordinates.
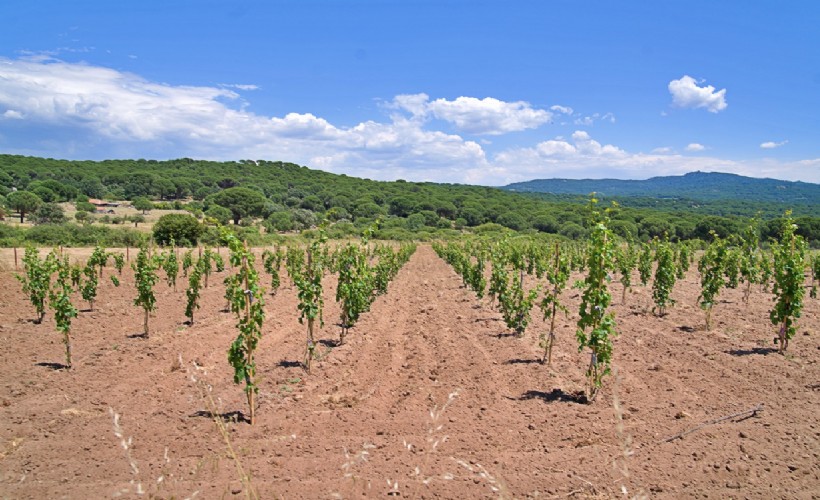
<point>772,145</point>
<point>694,147</point>
<point>488,116</point>
<point>687,94</point>
<point>663,150</point>
<point>116,114</point>
<point>85,111</point>
<point>585,157</point>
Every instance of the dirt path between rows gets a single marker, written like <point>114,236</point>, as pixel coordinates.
<point>431,397</point>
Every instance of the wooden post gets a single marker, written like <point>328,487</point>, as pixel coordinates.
<point>127,253</point>
<point>15,259</point>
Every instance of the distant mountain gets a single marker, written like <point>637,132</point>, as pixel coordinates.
<point>704,186</point>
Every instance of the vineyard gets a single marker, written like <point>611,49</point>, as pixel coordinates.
<point>479,368</point>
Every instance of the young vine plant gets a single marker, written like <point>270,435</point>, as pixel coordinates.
<point>145,277</point>
<point>789,265</point>
<point>36,280</point>
<point>596,325</point>
<point>247,300</point>
<point>665,276</point>
<point>309,285</point>
<point>557,276</point>
<point>59,300</point>
<point>710,267</point>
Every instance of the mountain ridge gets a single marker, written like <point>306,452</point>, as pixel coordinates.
<point>698,185</point>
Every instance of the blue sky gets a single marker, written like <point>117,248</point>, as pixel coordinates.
<point>480,92</point>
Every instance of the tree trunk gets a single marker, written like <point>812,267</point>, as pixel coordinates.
<point>67,342</point>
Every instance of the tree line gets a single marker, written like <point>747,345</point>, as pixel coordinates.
<point>267,197</point>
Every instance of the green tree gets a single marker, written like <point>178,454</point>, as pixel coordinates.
<point>49,213</point>
<point>23,202</point>
<point>219,213</point>
<point>181,228</point>
<point>84,206</point>
<point>242,202</point>
<point>143,204</point>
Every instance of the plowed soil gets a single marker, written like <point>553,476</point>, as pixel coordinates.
<point>430,397</point>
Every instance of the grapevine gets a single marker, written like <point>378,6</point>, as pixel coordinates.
<point>119,261</point>
<point>645,263</point>
<point>60,301</point>
<point>626,260</point>
<point>750,259</point>
<point>88,290</point>
<point>355,289</point>
<point>711,275</point>
<point>247,301</point>
<point>187,261</point>
<point>145,277</point>
<point>36,281</point>
<point>309,284</point>
<point>192,292</point>
<point>272,261</point>
<point>557,276</point>
<point>815,275</point>
<point>99,258</point>
<point>789,265</point>
<point>596,327</point>
<point>664,277</point>
<point>170,264</point>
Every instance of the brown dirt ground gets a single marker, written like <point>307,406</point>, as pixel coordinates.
<point>429,398</point>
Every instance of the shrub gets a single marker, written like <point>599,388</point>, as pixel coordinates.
<point>183,229</point>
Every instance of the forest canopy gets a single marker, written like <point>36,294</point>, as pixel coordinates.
<point>281,196</point>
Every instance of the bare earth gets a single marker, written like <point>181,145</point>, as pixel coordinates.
<point>429,398</point>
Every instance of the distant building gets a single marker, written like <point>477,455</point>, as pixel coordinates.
<point>102,203</point>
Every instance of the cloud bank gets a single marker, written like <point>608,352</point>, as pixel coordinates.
<point>57,109</point>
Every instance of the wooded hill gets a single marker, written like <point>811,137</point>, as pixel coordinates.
<point>284,196</point>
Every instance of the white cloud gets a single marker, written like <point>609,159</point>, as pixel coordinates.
<point>663,150</point>
<point>695,147</point>
<point>84,111</point>
<point>115,114</point>
<point>488,116</point>
<point>591,119</point>
<point>772,145</point>
<point>686,94</point>
<point>562,109</point>
<point>240,86</point>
